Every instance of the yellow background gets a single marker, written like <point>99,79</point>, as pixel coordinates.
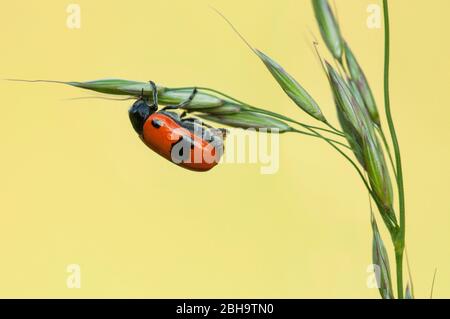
<point>78,186</point>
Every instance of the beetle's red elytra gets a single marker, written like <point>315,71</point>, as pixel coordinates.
<point>186,142</point>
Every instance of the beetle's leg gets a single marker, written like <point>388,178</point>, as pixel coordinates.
<point>154,105</point>
<point>182,115</point>
<point>182,104</point>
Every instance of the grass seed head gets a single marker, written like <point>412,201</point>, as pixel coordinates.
<point>292,88</point>
<point>202,101</point>
<point>361,136</point>
<point>329,28</point>
<point>247,119</point>
<point>347,103</point>
<point>381,259</point>
<point>352,136</point>
<point>376,167</point>
<point>360,80</point>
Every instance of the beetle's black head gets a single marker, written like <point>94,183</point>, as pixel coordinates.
<point>139,113</point>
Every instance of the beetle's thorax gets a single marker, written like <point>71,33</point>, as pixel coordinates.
<point>139,113</point>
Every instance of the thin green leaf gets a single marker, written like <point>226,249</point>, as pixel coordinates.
<point>329,27</point>
<point>292,88</point>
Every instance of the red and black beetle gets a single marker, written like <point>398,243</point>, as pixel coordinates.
<point>186,142</point>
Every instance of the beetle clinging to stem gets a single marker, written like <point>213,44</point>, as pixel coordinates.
<point>184,141</point>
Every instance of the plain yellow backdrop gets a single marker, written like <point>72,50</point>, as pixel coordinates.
<point>78,187</point>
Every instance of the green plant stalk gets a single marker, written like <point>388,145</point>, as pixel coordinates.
<point>337,132</point>
<point>321,137</point>
<point>350,161</point>
<point>285,118</point>
<point>399,242</point>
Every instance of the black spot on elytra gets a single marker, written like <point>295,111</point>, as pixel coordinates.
<point>156,123</point>
<point>181,152</point>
